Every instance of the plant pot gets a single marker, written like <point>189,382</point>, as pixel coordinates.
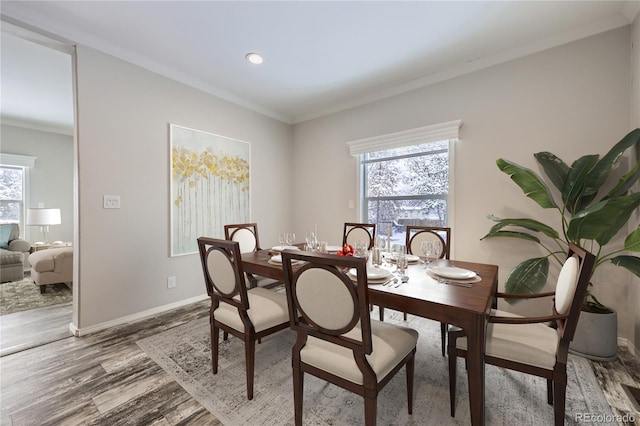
<point>596,336</point>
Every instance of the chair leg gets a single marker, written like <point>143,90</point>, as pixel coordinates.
<point>381,310</point>
<point>225,336</point>
<point>559,393</point>
<point>453,359</point>
<point>249,353</point>
<point>404,314</point>
<point>443,336</point>
<point>298,392</point>
<point>410,368</point>
<point>549,391</point>
<point>215,337</point>
<point>370,410</point>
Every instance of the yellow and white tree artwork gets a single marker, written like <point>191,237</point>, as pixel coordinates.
<point>209,186</point>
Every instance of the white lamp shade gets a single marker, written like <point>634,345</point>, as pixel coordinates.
<point>43,217</point>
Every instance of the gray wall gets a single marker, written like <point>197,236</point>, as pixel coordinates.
<point>123,149</point>
<point>570,100</point>
<point>51,180</point>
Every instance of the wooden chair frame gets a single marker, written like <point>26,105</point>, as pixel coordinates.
<point>305,327</point>
<point>238,298</point>
<point>411,232</point>
<point>566,325</point>
<point>229,233</point>
<point>369,227</point>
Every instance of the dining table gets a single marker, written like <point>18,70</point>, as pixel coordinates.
<point>429,296</point>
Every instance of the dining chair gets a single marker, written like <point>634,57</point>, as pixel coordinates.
<point>415,235</point>
<point>246,234</point>
<point>529,344</point>
<point>336,339</point>
<point>359,232</point>
<point>249,314</point>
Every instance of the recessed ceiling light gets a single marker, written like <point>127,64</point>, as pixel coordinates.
<point>254,58</point>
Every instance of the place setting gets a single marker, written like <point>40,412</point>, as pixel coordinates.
<point>453,275</point>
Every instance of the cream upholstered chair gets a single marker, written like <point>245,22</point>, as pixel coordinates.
<point>415,235</point>
<point>529,345</point>
<point>246,234</point>
<point>337,341</point>
<point>359,232</point>
<point>246,314</point>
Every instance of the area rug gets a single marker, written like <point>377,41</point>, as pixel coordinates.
<point>16,296</point>
<point>511,398</point>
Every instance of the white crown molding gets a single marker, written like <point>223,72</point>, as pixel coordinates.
<point>37,125</point>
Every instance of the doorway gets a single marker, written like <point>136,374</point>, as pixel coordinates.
<point>38,121</point>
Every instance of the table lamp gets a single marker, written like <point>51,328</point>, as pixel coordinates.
<point>43,218</point>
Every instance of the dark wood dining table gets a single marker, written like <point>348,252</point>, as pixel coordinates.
<point>422,295</point>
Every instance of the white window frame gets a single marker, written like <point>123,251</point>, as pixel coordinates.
<point>434,133</point>
<point>26,163</point>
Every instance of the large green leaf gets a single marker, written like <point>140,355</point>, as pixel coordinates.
<point>530,224</point>
<point>626,182</point>
<point>553,167</point>
<point>602,170</point>
<point>603,220</point>
<point>576,195</point>
<point>632,263</point>
<point>528,277</point>
<point>512,234</point>
<point>530,183</point>
<point>632,242</point>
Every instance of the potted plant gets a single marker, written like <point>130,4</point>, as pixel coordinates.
<point>593,208</point>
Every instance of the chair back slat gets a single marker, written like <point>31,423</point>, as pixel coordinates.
<point>359,232</point>
<point>223,273</point>
<point>325,302</point>
<point>246,234</point>
<point>415,235</point>
<point>567,325</point>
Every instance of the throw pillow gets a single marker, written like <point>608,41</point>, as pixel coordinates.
<point>5,231</point>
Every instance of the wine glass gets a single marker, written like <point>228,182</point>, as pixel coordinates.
<point>437,249</point>
<point>427,249</point>
<point>310,238</point>
<point>290,238</point>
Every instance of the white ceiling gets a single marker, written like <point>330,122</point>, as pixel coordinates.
<point>320,57</point>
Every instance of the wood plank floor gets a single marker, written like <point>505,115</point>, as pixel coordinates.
<point>106,379</point>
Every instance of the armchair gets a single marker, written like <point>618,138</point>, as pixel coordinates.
<point>529,345</point>
<point>13,253</point>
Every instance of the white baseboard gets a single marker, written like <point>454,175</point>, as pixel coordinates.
<point>134,317</point>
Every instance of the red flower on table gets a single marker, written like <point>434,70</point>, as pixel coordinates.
<point>347,250</point>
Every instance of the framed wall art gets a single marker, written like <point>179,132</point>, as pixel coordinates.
<point>210,186</point>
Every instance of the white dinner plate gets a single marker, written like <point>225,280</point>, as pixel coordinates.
<point>280,248</point>
<point>277,258</point>
<point>411,258</point>
<point>333,249</point>
<point>373,273</point>
<point>453,272</point>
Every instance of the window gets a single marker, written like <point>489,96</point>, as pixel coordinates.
<point>404,178</point>
<point>12,194</point>
<point>14,171</point>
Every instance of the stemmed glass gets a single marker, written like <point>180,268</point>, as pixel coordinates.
<point>310,237</point>
<point>290,238</point>
<point>437,249</point>
<point>427,249</point>
<point>282,239</point>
